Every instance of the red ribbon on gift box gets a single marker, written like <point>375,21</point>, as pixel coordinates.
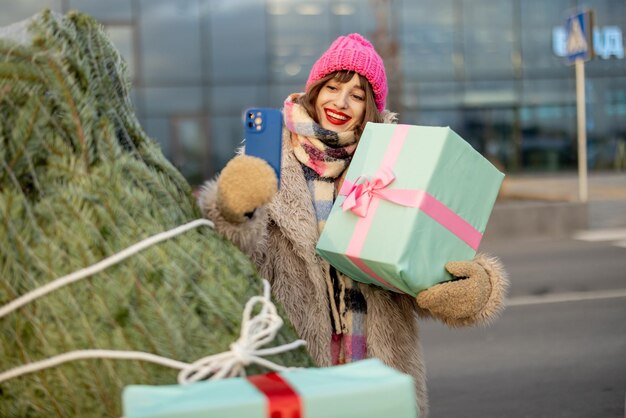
<point>283,401</point>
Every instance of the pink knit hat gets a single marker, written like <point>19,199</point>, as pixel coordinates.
<point>353,53</point>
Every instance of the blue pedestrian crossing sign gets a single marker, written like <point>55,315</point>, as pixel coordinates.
<point>579,44</point>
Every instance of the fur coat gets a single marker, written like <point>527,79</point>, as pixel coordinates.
<point>281,238</point>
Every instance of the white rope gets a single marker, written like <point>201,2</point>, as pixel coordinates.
<point>95,268</point>
<point>89,354</point>
<point>256,331</point>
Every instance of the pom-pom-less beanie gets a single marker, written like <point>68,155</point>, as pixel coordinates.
<point>353,53</point>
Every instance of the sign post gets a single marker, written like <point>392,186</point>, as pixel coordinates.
<point>579,48</point>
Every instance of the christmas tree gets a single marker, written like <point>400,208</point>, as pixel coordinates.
<point>80,181</point>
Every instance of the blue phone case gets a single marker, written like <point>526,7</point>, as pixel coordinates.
<point>263,132</point>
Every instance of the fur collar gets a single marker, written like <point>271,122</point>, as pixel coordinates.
<point>293,198</point>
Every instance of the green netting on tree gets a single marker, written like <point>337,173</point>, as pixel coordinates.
<point>79,181</point>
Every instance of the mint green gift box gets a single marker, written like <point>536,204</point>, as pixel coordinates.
<point>438,195</point>
<point>364,389</point>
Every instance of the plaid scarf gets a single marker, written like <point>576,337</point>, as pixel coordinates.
<point>324,156</point>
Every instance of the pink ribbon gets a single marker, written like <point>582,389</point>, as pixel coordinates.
<point>359,196</point>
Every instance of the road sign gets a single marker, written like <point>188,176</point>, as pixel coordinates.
<point>578,49</point>
<point>579,43</point>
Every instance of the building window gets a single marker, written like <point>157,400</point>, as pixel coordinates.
<point>123,38</point>
<point>189,147</point>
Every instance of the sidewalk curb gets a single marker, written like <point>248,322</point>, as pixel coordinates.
<point>526,219</point>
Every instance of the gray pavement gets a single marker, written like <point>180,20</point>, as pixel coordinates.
<point>546,360</point>
<point>559,349</point>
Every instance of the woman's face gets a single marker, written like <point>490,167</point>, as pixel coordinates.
<point>340,107</point>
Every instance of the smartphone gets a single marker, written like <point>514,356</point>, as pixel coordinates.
<point>263,129</point>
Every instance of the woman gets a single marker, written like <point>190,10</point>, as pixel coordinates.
<point>341,320</point>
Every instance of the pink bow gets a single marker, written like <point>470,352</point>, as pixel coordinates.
<point>359,196</point>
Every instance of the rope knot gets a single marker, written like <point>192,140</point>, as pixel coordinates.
<point>256,331</point>
<point>241,354</point>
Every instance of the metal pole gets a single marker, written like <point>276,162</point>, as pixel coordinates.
<point>582,130</point>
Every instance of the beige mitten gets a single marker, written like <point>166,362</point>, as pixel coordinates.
<point>245,184</point>
<point>461,301</point>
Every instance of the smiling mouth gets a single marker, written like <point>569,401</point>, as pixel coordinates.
<point>335,117</point>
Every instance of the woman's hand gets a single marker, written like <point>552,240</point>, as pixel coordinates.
<point>245,184</point>
<point>477,293</point>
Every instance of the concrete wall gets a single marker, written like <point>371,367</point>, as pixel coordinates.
<point>517,219</point>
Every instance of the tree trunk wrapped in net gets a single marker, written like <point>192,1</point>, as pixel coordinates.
<point>80,181</point>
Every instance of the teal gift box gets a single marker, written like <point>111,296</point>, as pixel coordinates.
<point>364,389</point>
<point>414,198</point>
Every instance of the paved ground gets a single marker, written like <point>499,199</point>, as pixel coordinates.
<point>545,360</point>
<point>559,349</point>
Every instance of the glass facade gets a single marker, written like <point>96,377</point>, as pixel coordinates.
<point>492,70</point>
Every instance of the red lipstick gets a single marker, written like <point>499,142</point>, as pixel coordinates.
<point>336,117</point>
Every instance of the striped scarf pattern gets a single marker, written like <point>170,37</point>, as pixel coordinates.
<point>324,156</point>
